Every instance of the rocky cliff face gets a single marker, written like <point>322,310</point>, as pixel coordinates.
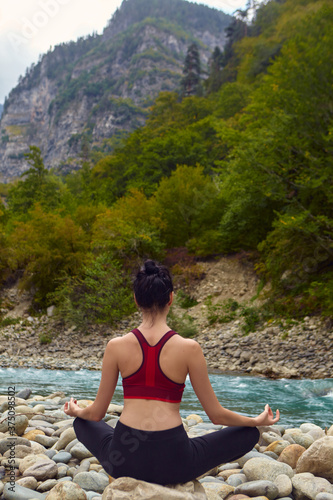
<point>99,86</point>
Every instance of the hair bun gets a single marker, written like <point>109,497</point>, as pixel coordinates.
<point>151,267</point>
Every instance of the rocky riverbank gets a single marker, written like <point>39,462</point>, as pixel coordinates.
<point>300,350</point>
<point>277,349</point>
<point>40,458</point>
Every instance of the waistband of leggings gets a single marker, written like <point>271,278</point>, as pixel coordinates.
<point>152,435</point>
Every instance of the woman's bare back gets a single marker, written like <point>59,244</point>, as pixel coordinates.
<point>146,414</point>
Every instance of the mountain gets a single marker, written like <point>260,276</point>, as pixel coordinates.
<point>1,108</point>
<point>95,90</point>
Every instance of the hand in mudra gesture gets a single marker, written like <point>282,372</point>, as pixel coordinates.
<point>267,417</point>
<point>71,408</point>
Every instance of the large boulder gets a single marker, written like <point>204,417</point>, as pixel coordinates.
<point>127,488</point>
<point>306,485</point>
<point>318,459</point>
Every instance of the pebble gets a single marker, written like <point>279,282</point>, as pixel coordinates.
<point>262,468</point>
<point>258,488</point>
<point>67,490</point>
<point>62,456</point>
<point>284,485</point>
<point>80,451</point>
<point>18,492</point>
<point>92,481</point>
<point>236,479</point>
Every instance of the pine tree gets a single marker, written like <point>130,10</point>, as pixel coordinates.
<point>191,84</point>
<point>214,81</point>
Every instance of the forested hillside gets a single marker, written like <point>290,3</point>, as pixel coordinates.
<point>99,88</point>
<point>245,166</point>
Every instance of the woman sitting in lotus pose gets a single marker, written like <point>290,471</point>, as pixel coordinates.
<point>149,441</point>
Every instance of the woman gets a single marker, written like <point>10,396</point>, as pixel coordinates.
<point>149,441</point>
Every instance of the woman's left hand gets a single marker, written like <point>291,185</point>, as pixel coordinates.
<point>71,408</point>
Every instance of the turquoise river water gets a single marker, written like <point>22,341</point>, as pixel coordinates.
<point>298,400</point>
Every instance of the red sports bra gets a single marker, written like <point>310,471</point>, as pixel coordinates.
<point>149,382</point>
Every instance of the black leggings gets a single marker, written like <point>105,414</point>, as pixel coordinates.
<point>163,457</point>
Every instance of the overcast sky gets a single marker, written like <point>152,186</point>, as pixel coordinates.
<point>29,27</point>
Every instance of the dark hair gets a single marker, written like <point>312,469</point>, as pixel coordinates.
<point>152,286</point>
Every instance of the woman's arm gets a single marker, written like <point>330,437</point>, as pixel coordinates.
<point>96,411</point>
<point>197,368</point>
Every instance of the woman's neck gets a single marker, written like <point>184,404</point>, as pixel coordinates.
<point>152,322</point>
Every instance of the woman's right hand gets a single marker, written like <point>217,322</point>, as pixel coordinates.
<point>71,408</point>
<point>267,417</point>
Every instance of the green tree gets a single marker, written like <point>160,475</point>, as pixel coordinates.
<point>39,185</point>
<point>188,205</point>
<point>280,166</point>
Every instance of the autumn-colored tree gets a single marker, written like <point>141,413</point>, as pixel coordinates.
<point>45,247</point>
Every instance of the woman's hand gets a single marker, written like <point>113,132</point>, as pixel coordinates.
<point>267,417</point>
<point>71,408</point>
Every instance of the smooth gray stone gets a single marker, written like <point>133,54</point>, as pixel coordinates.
<point>66,478</point>
<point>43,423</point>
<point>91,481</point>
<point>21,493</point>
<point>258,489</point>
<point>251,454</point>
<point>71,444</point>
<point>229,466</point>
<point>80,451</point>
<point>211,479</point>
<point>83,467</point>
<point>236,480</point>
<point>50,453</point>
<point>92,494</point>
<point>24,393</point>
<point>62,456</point>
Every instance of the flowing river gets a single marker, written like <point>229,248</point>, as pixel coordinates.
<point>298,400</point>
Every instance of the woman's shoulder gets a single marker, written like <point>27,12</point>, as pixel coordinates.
<point>120,340</point>
<point>189,344</point>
